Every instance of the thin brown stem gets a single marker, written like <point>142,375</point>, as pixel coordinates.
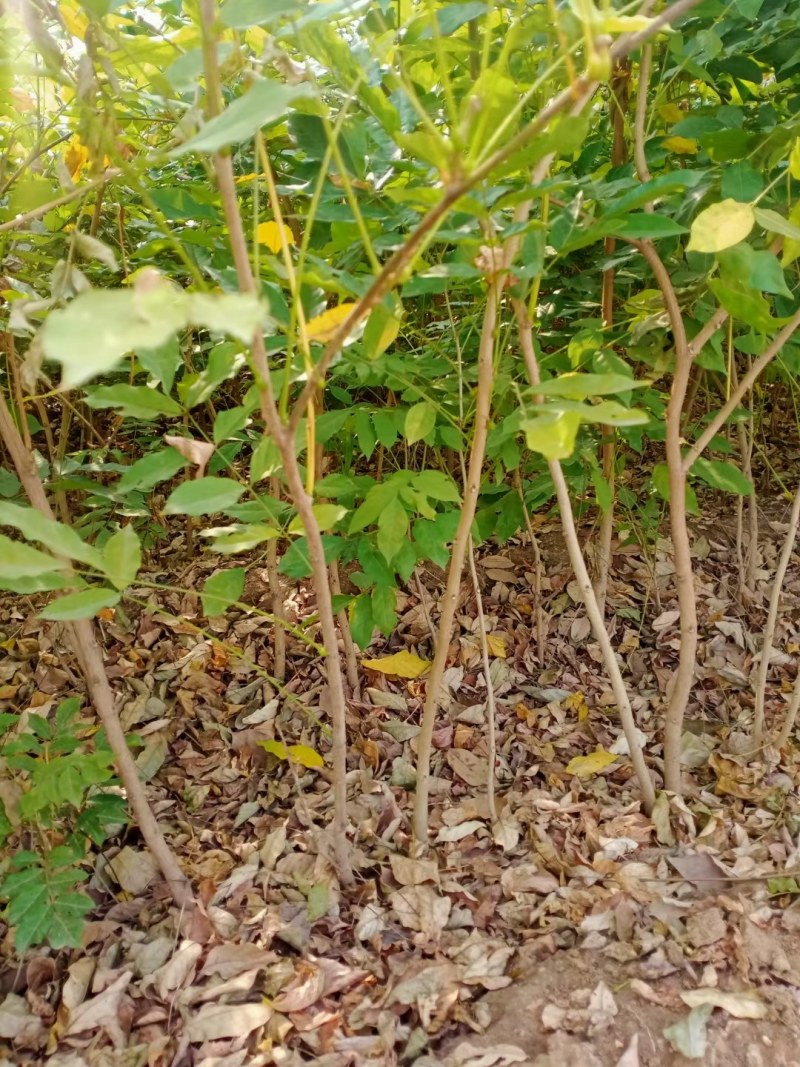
<point>449,599</point>
<point>284,439</point>
<point>772,619</point>
<point>724,413</point>
<point>587,591</point>
<point>491,709</point>
<point>82,637</point>
<point>681,548</point>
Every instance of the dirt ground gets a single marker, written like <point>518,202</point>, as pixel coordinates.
<point>576,1008</point>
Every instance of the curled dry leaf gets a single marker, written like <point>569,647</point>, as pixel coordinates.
<point>743,1004</point>
<point>197,452</point>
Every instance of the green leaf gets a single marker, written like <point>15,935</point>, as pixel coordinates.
<point>21,561</point>
<point>759,270</point>
<point>392,529</point>
<point>380,331</point>
<point>221,590</point>
<point>552,433</point>
<point>362,624</point>
<point>775,223</point>
<point>327,515</point>
<point>44,907</point>
<point>741,181</point>
<point>128,320</point>
<point>296,562</point>
<point>162,362</point>
<point>610,413</point>
<point>117,321</point>
<point>122,557</point>
<point>640,225</point>
<point>746,305</point>
<point>437,485</point>
<point>721,475</point>
<point>242,14</point>
<point>203,496</point>
<point>264,102</point>
<point>134,401</point>
<point>242,539</point>
<point>9,483</point>
<point>384,604</point>
<point>60,539</point>
<point>151,469</point>
<point>579,386</point>
<point>39,583</point>
<point>721,226</point>
<point>376,500</point>
<point>794,159</point>
<point>265,460</point>
<point>82,605</point>
<point>237,314</point>
<point>228,423</point>
<point>224,361</point>
<point>420,421</point>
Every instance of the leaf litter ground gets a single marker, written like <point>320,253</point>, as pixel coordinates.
<point>576,931</point>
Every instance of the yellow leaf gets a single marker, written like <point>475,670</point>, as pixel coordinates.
<point>401,665</point>
<point>497,645</point>
<point>577,702</point>
<point>671,113</point>
<point>306,756</point>
<point>76,22</point>
<point>681,146</point>
<point>269,234</point>
<point>276,748</point>
<point>589,766</point>
<point>721,226</point>
<point>324,326</point>
<point>794,159</point>
<point>302,754</point>
<point>242,178</point>
<point>76,157</point>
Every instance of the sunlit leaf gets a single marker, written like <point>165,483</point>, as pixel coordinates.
<point>323,327</point>
<point>264,102</point>
<point>591,765</point>
<point>302,754</point>
<point>269,234</point>
<point>401,665</point>
<point>721,226</point>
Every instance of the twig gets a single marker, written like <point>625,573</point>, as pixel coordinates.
<point>772,618</point>
<point>491,707</point>
<point>736,396</point>
<point>587,591</point>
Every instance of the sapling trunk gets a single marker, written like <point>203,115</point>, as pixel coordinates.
<point>618,107</point>
<point>449,598</point>
<point>587,592</point>
<point>284,438</point>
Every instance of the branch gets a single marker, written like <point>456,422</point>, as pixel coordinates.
<point>73,194</point>
<point>747,381</point>
<point>395,266</point>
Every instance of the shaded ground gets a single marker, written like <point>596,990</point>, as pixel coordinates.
<point>576,922</point>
